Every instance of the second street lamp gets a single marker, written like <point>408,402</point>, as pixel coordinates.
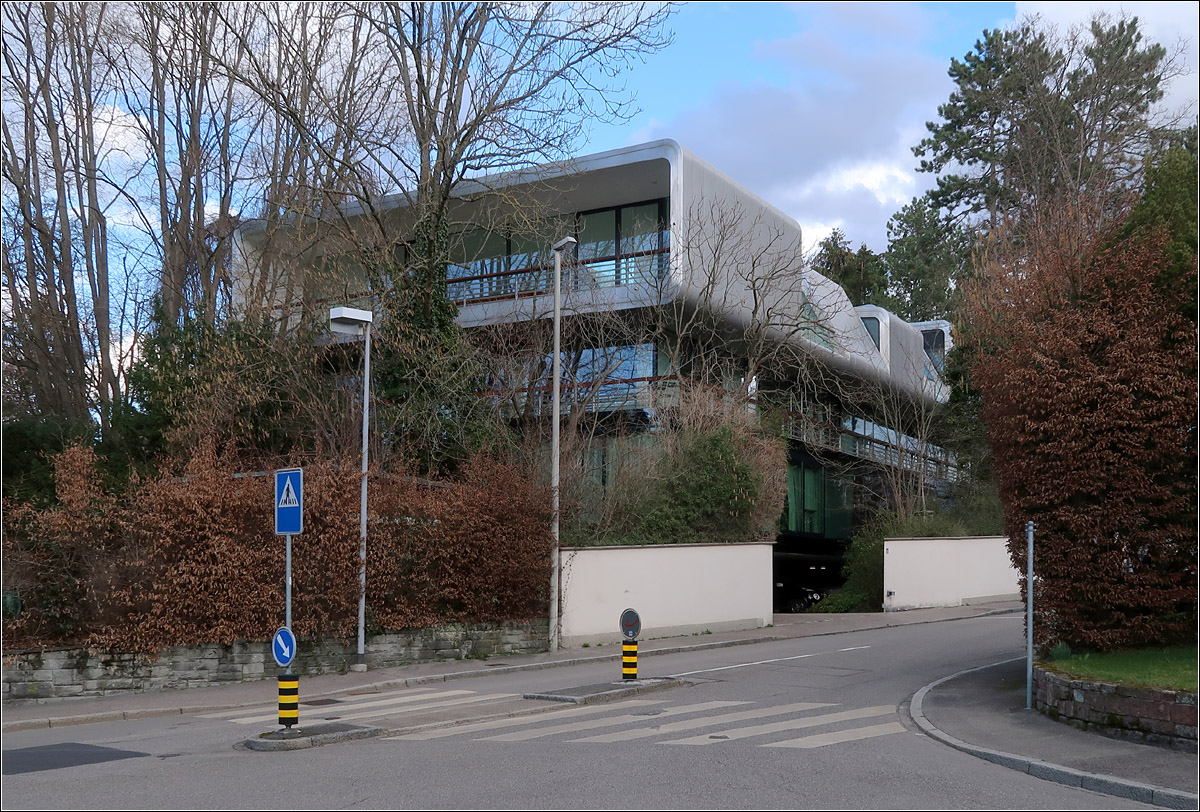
<point>351,321</point>
<point>556,373</point>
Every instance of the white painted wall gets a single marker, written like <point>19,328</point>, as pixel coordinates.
<point>919,573</point>
<point>676,588</point>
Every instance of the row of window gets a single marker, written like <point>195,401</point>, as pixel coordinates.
<point>933,342</point>
<point>605,378</point>
<point>616,246</point>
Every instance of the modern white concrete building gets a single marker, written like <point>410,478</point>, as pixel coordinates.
<point>657,230</point>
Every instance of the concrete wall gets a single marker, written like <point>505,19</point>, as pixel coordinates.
<point>920,573</point>
<point>676,588</point>
<point>39,674</point>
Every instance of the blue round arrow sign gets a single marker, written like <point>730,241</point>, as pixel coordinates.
<point>283,646</point>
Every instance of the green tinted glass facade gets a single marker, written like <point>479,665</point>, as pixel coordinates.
<point>817,502</point>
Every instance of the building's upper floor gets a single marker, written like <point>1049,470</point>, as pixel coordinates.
<point>655,227</point>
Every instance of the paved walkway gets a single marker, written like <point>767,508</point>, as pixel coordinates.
<point>981,712</point>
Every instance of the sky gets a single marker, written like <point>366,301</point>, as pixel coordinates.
<point>815,107</point>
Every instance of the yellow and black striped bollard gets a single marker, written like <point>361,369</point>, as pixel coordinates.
<point>289,700</point>
<point>629,659</point>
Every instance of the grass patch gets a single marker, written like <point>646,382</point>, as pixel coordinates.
<point>1173,669</point>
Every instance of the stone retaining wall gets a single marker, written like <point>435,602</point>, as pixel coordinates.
<point>1163,718</point>
<point>39,674</point>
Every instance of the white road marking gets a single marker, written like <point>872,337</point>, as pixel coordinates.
<point>330,709</point>
<point>787,724</point>
<point>692,724</point>
<point>591,724</point>
<point>493,724</point>
<point>466,700</point>
<point>342,701</point>
<point>824,739</point>
<point>767,662</point>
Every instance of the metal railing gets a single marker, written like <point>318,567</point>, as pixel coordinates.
<point>608,395</point>
<point>590,274</point>
<point>822,429</point>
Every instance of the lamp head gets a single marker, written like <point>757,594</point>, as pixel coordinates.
<point>349,320</point>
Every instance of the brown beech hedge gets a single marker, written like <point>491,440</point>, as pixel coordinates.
<point>194,559</point>
<point>1088,374</point>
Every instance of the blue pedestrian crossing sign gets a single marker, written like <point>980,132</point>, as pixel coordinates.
<point>283,646</point>
<point>289,502</point>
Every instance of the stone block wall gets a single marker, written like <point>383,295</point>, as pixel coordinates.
<point>1164,718</point>
<point>39,674</point>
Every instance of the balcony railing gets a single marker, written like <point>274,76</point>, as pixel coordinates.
<point>610,395</point>
<point>600,272</point>
<point>820,429</point>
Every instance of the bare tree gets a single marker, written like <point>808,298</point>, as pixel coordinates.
<point>58,192</point>
<point>481,88</point>
<point>741,315</point>
<point>194,129</point>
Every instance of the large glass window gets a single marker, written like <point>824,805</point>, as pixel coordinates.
<point>616,363</point>
<point>597,249</point>
<point>935,347</point>
<point>639,236</point>
<point>608,377</point>
<point>483,255</point>
<point>616,246</point>
<point>530,255</point>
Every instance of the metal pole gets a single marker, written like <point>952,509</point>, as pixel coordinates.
<point>1029,616</point>
<point>556,400</point>
<point>362,508</point>
<point>287,589</point>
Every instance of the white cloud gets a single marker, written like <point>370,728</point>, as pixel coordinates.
<point>889,183</point>
<point>120,137</point>
<point>815,231</point>
<point>826,106</point>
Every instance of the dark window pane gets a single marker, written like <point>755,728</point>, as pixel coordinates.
<point>639,233</point>
<point>872,325</point>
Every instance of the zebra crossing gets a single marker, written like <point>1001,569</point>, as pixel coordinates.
<point>666,722</point>
<point>659,719</point>
<point>362,707</point>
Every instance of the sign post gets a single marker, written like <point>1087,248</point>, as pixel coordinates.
<point>283,646</point>
<point>1029,616</point>
<point>631,627</point>
<point>289,521</point>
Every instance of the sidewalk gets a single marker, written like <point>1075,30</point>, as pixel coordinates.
<point>981,712</point>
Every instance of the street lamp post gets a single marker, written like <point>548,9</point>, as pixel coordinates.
<point>351,321</point>
<point>559,247</point>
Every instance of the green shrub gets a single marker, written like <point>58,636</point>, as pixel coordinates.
<point>841,600</point>
<point>709,486</point>
<point>706,491</point>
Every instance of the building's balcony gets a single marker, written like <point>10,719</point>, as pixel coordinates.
<point>822,428</point>
<point>644,267</point>
<point>647,395</point>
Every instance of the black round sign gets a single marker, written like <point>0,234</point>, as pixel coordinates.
<point>631,624</point>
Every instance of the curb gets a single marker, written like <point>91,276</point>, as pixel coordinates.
<point>1108,785</point>
<point>404,682</point>
<point>305,741</point>
<point>605,693</point>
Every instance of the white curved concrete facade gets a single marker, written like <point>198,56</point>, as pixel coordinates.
<point>699,193</point>
<point>698,196</point>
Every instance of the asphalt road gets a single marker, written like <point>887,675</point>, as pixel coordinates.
<point>810,722</point>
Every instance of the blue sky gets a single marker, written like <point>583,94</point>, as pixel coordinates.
<point>815,106</point>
